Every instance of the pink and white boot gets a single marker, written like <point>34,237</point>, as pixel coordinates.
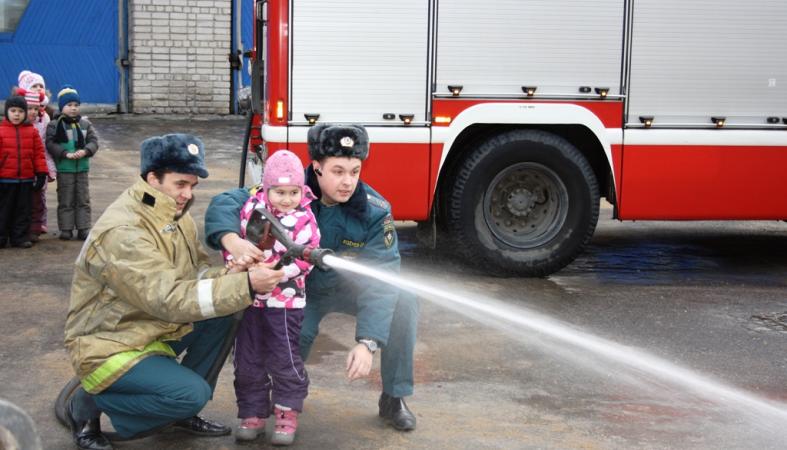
<point>249,429</point>
<point>286,425</point>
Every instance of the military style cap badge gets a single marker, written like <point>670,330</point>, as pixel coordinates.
<point>347,142</point>
<point>193,149</point>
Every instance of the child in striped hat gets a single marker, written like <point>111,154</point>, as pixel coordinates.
<point>37,116</point>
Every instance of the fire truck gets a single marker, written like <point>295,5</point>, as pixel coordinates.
<point>499,125</point>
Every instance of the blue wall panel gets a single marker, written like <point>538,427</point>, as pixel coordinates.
<point>68,42</point>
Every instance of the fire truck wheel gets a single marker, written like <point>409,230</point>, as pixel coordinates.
<point>524,202</point>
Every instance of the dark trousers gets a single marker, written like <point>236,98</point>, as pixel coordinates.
<point>158,390</point>
<point>38,213</point>
<point>73,201</point>
<point>396,358</point>
<point>15,211</point>
<point>268,366</point>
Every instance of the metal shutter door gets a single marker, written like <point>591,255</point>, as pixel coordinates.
<point>694,60</point>
<point>354,61</point>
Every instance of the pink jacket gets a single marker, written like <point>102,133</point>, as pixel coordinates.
<point>301,224</point>
<point>40,123</point>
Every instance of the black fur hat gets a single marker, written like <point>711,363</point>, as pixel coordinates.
<point>338,140</point>
<point>18,101</point>
<point>181,153</point>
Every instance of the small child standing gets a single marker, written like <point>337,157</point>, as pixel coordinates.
<point>269,370</point>
<point>71,141</point>
<point>22,170</point>
<point>37,116</point>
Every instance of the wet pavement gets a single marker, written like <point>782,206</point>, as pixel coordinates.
<point>708,296</point>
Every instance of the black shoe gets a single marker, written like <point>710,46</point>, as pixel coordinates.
<point>23,244</point>
<point>3,242</point>
<point>395,411</point>
<point>87,435</point>
<point>65,235</point>
<point>82,234</point>
<point>202,427</point>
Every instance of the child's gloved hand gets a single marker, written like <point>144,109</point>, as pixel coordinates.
<point>40,181</point>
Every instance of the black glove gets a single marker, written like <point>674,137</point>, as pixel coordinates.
<point>40,182</point>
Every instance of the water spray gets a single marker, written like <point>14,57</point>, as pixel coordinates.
<point>519,318</point>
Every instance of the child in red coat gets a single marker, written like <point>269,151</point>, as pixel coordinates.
<point>22,170</point>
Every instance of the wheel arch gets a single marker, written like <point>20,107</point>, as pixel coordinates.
<point>579,135</point>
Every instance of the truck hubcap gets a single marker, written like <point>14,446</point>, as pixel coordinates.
<point>525,205</point>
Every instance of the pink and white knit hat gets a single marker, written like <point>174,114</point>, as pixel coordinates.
<point>32,98</point>
<point>283,168</point>
<point>28,79</point>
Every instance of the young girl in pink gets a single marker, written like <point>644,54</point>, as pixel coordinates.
<point>37,116</point>
<point>269,372</point>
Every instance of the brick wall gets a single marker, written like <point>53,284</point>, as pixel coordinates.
<point>178,52</point>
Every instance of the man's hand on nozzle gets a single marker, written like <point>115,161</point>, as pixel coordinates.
<point>243,252</point>
<point>263,278</point>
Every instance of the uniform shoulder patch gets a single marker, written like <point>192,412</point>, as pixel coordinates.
<point>389,231</point>
<point>378,202</point>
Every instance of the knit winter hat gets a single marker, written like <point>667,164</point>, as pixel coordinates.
<point>283,168</point>
<point>350,141</point>
<point>181,153</point>
<point>32,98</point>
<point>15,100</point>
<point>28,79</point>
<point>67,95</point>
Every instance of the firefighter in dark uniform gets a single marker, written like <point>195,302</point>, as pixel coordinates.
<point>354,221</point>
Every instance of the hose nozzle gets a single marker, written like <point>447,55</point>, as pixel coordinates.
<point>263,224</point>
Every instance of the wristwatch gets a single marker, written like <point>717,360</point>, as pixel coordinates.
<point>371,344</point>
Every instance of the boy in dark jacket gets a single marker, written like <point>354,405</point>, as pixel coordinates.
<point>22,170</point>
<point>71,141</point>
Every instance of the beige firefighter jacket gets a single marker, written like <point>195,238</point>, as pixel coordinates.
<point>140,280</point>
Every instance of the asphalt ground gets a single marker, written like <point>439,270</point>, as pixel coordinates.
<point>706,296</point>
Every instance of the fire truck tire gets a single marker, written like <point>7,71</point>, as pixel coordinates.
<point>524,202</point>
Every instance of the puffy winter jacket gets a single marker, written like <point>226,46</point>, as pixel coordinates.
<point>21,152</point>
<point>58,150</point>
<point>140,280</point>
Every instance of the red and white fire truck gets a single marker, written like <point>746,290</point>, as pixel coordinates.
<point>503,122</point>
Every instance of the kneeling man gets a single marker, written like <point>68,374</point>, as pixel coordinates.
<point>142,294</point>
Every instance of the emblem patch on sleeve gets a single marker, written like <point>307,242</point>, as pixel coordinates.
<point>388,231</point>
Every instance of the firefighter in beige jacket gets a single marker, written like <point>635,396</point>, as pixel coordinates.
<point>142,293</point>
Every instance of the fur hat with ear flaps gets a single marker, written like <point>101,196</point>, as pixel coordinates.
<point>326,140</point>
<point>181,153</point>
<point>15,101</point>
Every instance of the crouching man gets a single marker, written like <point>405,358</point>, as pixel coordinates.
<point>356,223</point>
<point>142,294</point>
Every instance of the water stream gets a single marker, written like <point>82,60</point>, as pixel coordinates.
<point>767,415</point>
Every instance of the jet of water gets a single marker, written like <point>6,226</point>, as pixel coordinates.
<point>762,413</point>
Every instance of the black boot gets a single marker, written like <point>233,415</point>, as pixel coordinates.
<point>202,427</point>
<point>87,434</point>
<point>395,411</point>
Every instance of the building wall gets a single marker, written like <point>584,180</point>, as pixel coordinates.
<point>179,56</point>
